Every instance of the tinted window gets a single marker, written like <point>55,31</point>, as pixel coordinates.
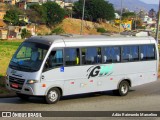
<point>29,56</point>
<point>111,54</point>
<point>72,56</point>
<point>26,50</point>
<point>91,55</point>
<point>55,59</point>
<point>147,52</point>
<point>130,53</point>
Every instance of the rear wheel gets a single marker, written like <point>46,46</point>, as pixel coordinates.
<point>123,89</point>
<point>53,96</point>
<point>22,96</point>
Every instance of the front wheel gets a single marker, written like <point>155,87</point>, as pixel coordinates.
<point>123,89</point>
<point>53,96</point>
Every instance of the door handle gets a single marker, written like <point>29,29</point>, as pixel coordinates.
<point>42,77</point>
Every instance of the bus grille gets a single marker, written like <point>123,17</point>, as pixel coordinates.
<point>18,81</point>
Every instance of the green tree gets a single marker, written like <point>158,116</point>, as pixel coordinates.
<point>25,33</point>
<point>78,9</point>
<point>12,16</point>
<point>37,14</point>
<point>128,15</point>
<point>94,10</point>
<point>55,14</point>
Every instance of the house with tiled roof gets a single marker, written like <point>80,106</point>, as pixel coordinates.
<point>2,24</point>
<point>2,13</point>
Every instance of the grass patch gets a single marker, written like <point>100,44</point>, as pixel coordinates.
<point>7,49</point>
<point>11,42</point>
<point>3,91</point>
<point>2,85</point>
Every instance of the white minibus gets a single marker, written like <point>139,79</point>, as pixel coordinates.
<point>60,65</point>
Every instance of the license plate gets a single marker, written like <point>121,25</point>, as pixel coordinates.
<point>14,85</point>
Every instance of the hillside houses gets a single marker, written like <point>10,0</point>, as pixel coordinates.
<point>14,32</point>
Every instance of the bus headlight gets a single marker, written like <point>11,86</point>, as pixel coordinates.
<point>31,81</point>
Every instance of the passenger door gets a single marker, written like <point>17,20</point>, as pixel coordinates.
<point>53,70</point>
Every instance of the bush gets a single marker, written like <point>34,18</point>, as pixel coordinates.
<point>25,33</point>
<point>101,30</point>
<point>141,27</point>
<point>58,30</point>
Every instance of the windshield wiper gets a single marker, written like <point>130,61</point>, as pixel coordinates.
<point>28,67</point>
<point>18,66</point>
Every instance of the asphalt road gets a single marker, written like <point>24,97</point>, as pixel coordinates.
<point>141,98</point>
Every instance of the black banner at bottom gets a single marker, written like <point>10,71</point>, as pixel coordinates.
<point>79,114</point>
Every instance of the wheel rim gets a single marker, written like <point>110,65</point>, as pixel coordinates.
<point>53,95</point>
<point>124,89</point>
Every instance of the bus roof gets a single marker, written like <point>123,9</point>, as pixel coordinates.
<point>78,40</point>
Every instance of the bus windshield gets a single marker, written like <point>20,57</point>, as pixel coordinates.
<point>29,57</point>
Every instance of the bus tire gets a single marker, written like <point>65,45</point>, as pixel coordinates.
<point>123,89</point>
<point>53,96</point>
<point>22,96</point>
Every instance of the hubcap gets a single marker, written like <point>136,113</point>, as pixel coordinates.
<point>124,89</point>
<point>53,96</point>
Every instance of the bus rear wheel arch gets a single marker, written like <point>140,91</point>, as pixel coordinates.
<point>53,95</point>
<point>123,88</point>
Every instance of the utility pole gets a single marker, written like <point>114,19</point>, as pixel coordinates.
<point>157,31</point>
<point>120,19</point>
<point>136,22</point>
<point>82,17</point>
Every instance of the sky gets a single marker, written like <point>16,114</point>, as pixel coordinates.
<point>151,1</point>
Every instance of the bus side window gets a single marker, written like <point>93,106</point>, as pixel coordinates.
<point>72,56</point>
<point>126,53</point>
<point>143,52</point>
<point>130,53</point>
<point>148,52</point>
<point>111,54</point>
<point>54,60</point>
<point>151,52</point>
<point>91,55</point>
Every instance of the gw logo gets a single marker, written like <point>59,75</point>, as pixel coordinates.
<point>99,71</point>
